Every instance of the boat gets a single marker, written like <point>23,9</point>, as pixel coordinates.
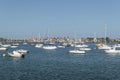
<point>104,47</point>
<point>38,45</point>
<point>76,51</point>
<point>49,47</point>
<point>81,45</point>
<point>22,51</point>
<point>61,46</point>
<point>24,43</point>
<point>16,54</point>
<point>99,45</point>
<point>114,49</point>
<point>86,49</point>
<point>6,45</point>
<point>13,46</point>
<point>3,48</point>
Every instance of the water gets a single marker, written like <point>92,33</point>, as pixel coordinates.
<point>58,64</point>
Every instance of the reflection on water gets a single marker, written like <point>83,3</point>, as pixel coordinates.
<point>113,54</point>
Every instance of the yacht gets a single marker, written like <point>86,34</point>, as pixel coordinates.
<point>114,49</point>
<point>76,50</point>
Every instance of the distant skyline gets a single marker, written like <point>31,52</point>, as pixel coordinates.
<point>28,18</point>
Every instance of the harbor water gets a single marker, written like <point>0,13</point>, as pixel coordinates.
<point>59,64</point>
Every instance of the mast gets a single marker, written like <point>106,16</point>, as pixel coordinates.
<point>95,39</point>
<point>39,37</point>
<point>75,40</point>
<point>105,33</point>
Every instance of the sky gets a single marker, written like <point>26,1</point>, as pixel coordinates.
<point>59,18</point>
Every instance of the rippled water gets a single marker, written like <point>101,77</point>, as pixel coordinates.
<point>58,64</point>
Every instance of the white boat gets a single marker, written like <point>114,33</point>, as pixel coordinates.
<point>117,45</point>
<point>3,48</point>
<point>61,46</point>
<point>16,54</point>
<point>24,43</point>
<point>77,51</point>
<point>51,43</point>
<point>78,45</point>
<point>86,49</point>
<point>22,51</point>
<point>13,46</point>
<point>113,50</point>
<point>49,47</point>
<point>6,45</point>
<point>38,45</point>
<point>81,45</point>
<point>104,47</point>
<point>64,44</point>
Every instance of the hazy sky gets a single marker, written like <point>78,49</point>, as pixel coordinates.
<point>27,18</point>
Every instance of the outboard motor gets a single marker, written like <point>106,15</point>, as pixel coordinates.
<point>23,56</point>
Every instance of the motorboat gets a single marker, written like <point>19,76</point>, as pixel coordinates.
<point>16,54</point>
<point>114,49</point>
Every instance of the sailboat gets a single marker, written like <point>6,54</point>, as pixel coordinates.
<point>49,46</point>
<point>104,46</point>
<point>77,51</point>
<point>39,45</point>
<point>94,39</point>
<point>14,45</point>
